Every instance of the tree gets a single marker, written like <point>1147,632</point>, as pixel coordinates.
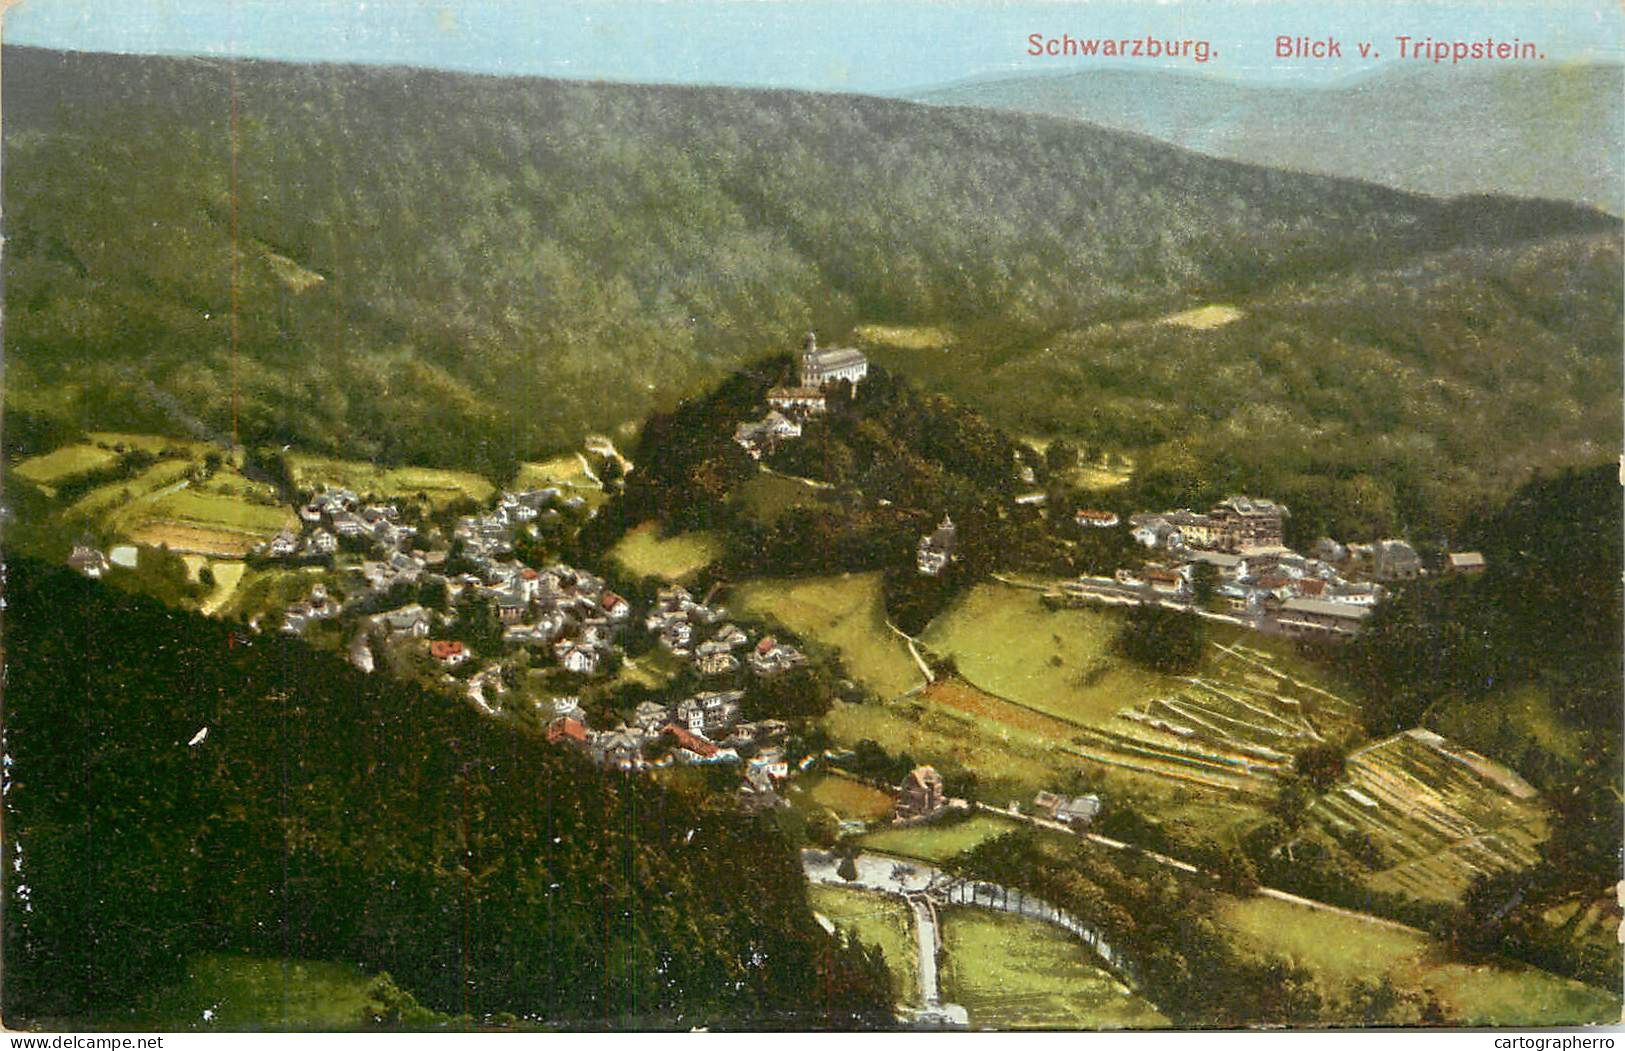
<point>1061,456</point>
<point>799,693</point>
<point>1321,765</point>
<point>1166,640</point>
<point>824,828</point>
<point>477,625</point>
<point>435,594</point>
<point>1204,581</point>
<point>1291,803</point>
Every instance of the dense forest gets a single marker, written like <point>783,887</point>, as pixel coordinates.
<point>327,814</point>
<point>1375,402</point>
<point>463,270</point>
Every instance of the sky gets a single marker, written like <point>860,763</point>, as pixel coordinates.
<point>875,46</point>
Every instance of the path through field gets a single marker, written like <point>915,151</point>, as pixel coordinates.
<point>925,940</point>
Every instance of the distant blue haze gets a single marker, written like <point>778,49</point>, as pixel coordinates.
<point>873,46</point>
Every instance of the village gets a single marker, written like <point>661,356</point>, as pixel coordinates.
<point>554,617</point>
<point>465,602</point>
<point>468,601</point>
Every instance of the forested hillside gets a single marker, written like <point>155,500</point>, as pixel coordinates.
<point>464,270</point>
<point>1375,401</point>
<point>329,815</point>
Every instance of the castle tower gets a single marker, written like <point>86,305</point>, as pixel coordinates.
<point>809,361</point>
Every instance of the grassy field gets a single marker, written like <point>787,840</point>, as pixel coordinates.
<point>644,552</point>
<point>938,841</point>
<point>368,479</point>
<point>1008,765</point>
<point>1214,315</point>
<point>62,464</point>
<point>566,471</point>
<point>224,517</point>
<point>904,337</point>
<point>246,994</point>
<point>1059,662</point>
<point>1011,972</point>
<point>844,612</point>
<point>767,496</point>
<point>848,798</point>
<point>215,509</point>
<point>876,919</point>
<point>1341,950</point>
<point>227,575</point>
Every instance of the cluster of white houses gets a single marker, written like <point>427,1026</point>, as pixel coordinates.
<point>705,728</point>
<point>571,615</point>
<point>692,629</point>
<point>567,613</point>
<point>1238,545</point>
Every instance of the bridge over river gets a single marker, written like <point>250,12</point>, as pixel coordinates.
<point>927,889</point>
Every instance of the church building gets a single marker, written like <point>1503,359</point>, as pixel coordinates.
<point>819,367</point>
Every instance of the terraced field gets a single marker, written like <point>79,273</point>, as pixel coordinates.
<point>1438,814</point>
<point>1590,924</point>
<point>1234,728</point>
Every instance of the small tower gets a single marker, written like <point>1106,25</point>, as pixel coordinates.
<point>809,362</point>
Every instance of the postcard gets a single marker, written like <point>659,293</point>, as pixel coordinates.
<point>796,515</point>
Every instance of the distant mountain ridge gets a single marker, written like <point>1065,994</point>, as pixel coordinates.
<point>458,270</point>
<point>1554,131</point>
